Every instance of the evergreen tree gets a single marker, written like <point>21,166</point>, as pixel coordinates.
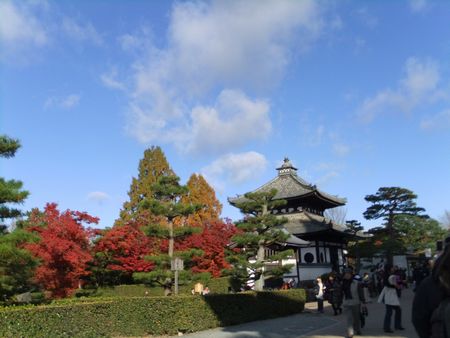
<point>10,190</point>
<point>259,230</point>
<point>418,233</point>
<point>17,264</point>
<point>201,193</point>
<point>387,203</point>
<point>353,227</point>
<point>151,167</point>
<point>166,203</point>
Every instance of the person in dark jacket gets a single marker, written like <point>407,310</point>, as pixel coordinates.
<point>333,293</point>
<point>432,290</point>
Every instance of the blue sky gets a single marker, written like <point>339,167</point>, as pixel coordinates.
<point>355,93</point>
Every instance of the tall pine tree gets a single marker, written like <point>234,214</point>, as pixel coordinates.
<point>16,264</point>
<point>166,203</point>
<point>153,166</point>
<point>260,229</point>
<point>10,190</point>
<point>388,203</point>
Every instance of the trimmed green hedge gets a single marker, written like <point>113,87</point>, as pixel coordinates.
<point>216,285</point>
<point>103,317</point>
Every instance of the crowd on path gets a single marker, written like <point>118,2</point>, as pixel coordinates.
<point>349,293</point>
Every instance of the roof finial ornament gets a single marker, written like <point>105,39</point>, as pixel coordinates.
<point>287,168</point>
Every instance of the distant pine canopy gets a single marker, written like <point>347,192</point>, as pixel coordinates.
<point>10,190</point>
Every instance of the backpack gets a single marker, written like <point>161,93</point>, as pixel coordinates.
<point>440,320</point>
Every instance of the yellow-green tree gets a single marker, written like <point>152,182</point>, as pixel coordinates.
<point>153,166</point>
<point>201,193</point>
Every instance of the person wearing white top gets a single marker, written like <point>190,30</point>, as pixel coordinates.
<point>389,297</point>
<point>319,290</point>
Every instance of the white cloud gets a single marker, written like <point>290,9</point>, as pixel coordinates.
<point>439,121</point>
<point>20,28</point>
<point>98,196</point>
<point>211,47</point>
<point>81,32</point>
<point>66,102</point>
<point>420,85</point>
<point>239,41</point>
<point>235,169</point>
<point>418,5</point>
<point>232,122</point>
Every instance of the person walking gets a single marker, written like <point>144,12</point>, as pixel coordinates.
<point>433,292</point>
<point>320,292</point>
<point>333,293</point>
<point>389,297</point>
<point>366,284</point>
<point>352,289</point>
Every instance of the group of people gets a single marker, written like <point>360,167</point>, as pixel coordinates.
<point>431,305</point>
<point>350,293</point>
<point>331,291</point>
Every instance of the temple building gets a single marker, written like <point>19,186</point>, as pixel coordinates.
<point>319,243</point>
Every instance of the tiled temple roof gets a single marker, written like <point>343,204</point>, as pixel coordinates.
<point>289,185</point>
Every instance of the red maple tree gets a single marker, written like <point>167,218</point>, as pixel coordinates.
<point>213,241</point>
<point>125,248</point>
<point>63,248</point>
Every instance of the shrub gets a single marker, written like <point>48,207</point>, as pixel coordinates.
<point>216,285</point>
<point>137,316</point>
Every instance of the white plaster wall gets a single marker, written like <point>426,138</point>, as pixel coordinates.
<point>311,250</point>
<point>323,252</point>
<point>340,257</point>
<point>311,273</point>
<point>293,271</point>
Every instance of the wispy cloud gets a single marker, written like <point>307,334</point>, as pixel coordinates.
<point>98,196</point>
<point>341,149</point>
<point>111,80</point>
<point>316,133</point>
<point>417,5</point>
<point>419,85</point>
<point>326,172</point>
<point>366,17</point>
<point>440,121</point>
<point>67,102</point>
<point>81,32</point>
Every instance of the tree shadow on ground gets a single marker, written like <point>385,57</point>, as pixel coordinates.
<point>308,324</point>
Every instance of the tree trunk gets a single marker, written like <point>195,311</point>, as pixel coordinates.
<point>168,286</point>
<point>390,228</point>
<point>171,240</point>
<point>259,283</point>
